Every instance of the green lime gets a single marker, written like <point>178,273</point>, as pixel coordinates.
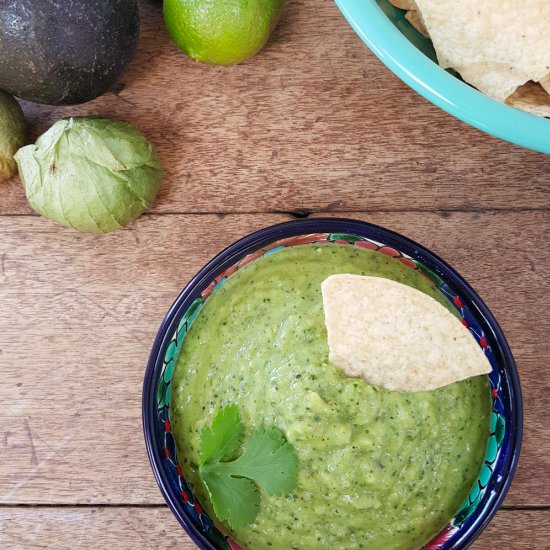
<point>223,32</point>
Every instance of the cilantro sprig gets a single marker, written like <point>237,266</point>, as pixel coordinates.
<point>267,461</point>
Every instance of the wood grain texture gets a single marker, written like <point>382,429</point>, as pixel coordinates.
<point>156,528</point>
<point>313,122</point>
<point>80,312</point>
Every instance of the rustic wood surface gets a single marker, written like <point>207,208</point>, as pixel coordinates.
<point>156,528</point>
<point>313,125</point>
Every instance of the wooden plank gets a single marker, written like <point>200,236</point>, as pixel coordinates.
<point>314,122</point>
<point>62,528</point>
<point>79,314</point>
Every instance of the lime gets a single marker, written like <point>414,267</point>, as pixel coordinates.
<point>223,32</point>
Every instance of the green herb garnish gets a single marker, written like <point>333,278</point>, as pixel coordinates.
<point>268,460</point>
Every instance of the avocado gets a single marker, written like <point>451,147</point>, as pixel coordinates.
<point>63,52</point>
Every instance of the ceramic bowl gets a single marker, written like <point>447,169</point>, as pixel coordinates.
<point>412,58</point>
<point>506,425</point>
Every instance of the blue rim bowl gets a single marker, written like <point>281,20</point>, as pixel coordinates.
<point>411,57</point>
<point>506,425</point>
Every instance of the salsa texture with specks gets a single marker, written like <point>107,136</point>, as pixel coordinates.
<point>379,470</point>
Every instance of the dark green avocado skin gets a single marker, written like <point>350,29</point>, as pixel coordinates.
<point>64,52</point>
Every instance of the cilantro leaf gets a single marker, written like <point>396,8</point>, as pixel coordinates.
<point>223,438</point>
<point>268,460</point>
<point>235,500</point>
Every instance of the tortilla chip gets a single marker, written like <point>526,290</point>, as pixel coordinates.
<point>495,80</point>
<point>509,38</point>
<point>545,83</point>
<point>404,4</point>
<point>531,97</point>
<point>415,19</point>
<point>413,15</point>
<point>395,336</point>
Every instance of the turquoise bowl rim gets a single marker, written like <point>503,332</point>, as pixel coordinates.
<point>437,85</point>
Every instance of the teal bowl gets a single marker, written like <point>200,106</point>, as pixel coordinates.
<point>412,58</point>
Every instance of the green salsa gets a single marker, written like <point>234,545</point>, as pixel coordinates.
<point>379,470</point>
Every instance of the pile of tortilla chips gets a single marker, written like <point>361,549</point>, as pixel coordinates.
<point>502,47</point>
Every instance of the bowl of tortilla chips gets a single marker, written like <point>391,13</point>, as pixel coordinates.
<point>487,64</point>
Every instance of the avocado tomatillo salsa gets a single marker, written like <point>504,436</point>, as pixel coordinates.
<point>378,470</point>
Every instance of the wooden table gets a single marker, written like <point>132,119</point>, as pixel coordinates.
<point>314,125</point>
